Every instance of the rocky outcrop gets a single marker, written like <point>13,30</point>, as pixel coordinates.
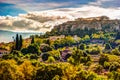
<point>97,23</point>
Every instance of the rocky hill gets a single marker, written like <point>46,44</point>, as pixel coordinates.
<point>98,23</point>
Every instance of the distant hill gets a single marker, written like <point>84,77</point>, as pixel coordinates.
<point>7,36</point>
<point>83,26</point>
<point>95,22</point>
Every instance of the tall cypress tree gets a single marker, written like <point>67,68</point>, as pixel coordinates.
<point>20,42</point>
<point>32,41</point>
<point>17,42</point>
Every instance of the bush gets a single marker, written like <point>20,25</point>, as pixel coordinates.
<point>115,52</point>
<point>17,53</point>
<point>45,48</point>
<point>9,70</point>
<point>24,50</point>
<point>91,76</point>
<point>114,75</point>
<point>114,66</point>
<point>95,51</point>
<point>34,56</point>
<point>51,59</point>
<point>82,75</point>
<point>48,72</point>
<point>99,69</point>
<point>103,58</point>
<point>27,69</point>
<point>106,65</point>
<point>45,56</point>
<point>82,46</point>
<point>108,46</point>
<point>71,60</point>
<point>7,56</point>
<point>33,48</point>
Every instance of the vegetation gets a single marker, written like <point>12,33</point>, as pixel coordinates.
<point>81,54</point>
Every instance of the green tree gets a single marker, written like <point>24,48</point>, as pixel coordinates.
<point>51,59</point>
<point>33,48</point>
<point>24,50</point>
<point>45,48</point>
<point>82,46</point>
<point>9,71</point>
<point>32,41</point>
<point>103,58</point>
<point>45,56</point>
<point>48,42</point>
<point>17,42</point>
<point>108,46</point>
<point>114,66</point>
<point>48,72</point>
<point>116,52</point>
<point>21,42</point>
<point>27,69</point>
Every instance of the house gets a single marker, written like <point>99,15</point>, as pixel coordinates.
<point>65,54</point>
<point>3,52</point>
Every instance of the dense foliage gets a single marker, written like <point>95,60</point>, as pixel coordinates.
<point>83,54</point>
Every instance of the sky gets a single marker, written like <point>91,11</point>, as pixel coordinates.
<point>15,7</point>
<point>43,15</point>
<point>40,16</point>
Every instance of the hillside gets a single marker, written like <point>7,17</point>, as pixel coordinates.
<point>90,25</point>
<point>78,53</point>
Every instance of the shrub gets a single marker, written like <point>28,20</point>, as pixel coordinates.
<point>33,48</point>
<point>82,46</point>
<point>115,52</point>
<point>48,72</point>
<point>9,71</point>
<point>106,65</point>
<point>45,56</point>
<point>91,76</point>
<point>114,75</point>
<point>7,56</point>
<point>114,66</point>
<point>103,58</point>
<point>17,53</point>
<point>51,59</point>
<point>108,46</point>
<point>24,50</point>
<point>27,69</point>
<point>34,56</point>
<point>45,48</point>
<point>99,69</point>
<point>95,51</point>
<point>82,75</point>
<point>71,60</point>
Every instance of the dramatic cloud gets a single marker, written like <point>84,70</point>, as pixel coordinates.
<point>45,20</point>
<point>37,5</point>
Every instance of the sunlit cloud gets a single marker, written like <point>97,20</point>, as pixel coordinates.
<point>42,21</point>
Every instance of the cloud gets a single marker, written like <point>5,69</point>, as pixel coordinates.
<point>106,3</point>
<point>99,2</point>
<point>42,6</point>
<point>37,5</point>
<point>42,21</point>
